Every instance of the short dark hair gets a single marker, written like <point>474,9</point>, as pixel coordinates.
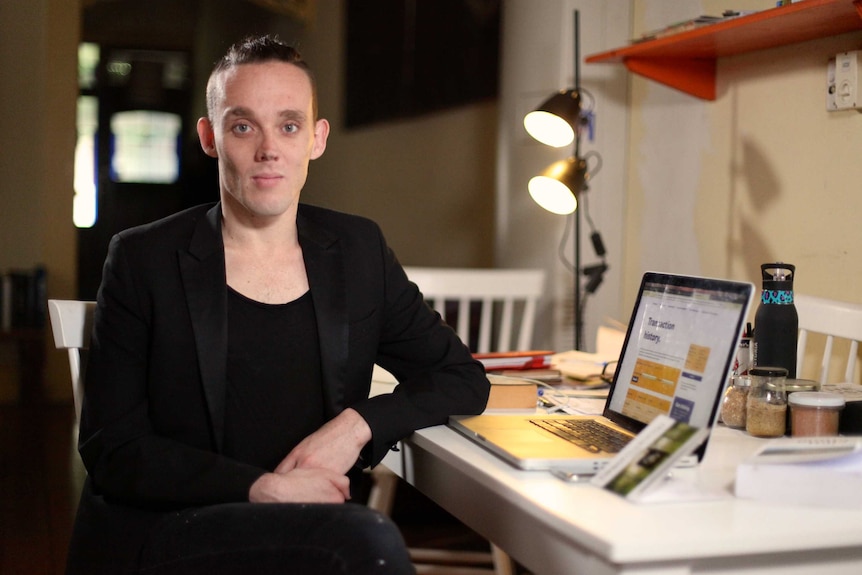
<point>258,49</point>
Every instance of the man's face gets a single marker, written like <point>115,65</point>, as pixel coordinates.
<point>264,134</point>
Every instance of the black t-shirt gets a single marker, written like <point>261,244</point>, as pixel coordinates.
<point>274,391</point>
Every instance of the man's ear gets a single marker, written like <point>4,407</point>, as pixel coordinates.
<point>206,135</point>
<point>321,133</point>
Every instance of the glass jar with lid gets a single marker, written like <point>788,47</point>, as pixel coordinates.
<point>791,386</point>
<point>733,404</point>
<point>766,406</point>
<point>815,413</point>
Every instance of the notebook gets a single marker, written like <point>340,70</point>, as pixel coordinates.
<point>676,358</point>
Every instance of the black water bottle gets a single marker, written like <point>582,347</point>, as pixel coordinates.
<point>776,324</point>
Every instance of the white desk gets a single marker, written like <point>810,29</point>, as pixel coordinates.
<point>557,528</point>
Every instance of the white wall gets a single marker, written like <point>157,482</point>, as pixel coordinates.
<point>538,60</point>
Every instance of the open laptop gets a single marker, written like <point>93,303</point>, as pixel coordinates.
<point>677,355</point>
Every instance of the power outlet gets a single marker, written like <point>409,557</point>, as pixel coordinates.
<point>847,75</point>
<point>831,106</point>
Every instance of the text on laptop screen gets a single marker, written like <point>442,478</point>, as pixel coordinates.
<point>680,335</point>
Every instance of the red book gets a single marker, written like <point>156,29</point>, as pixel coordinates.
<point>532,359</point>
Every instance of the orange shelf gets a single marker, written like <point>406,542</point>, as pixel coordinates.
<point>687,60</point>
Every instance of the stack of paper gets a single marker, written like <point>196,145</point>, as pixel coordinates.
<point>584,366</point>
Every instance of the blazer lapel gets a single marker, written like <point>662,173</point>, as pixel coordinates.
<point>324,265</point>
<point>203,271</point>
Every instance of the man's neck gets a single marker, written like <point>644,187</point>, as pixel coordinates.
<point>244,231</point>
<point>264,261</point>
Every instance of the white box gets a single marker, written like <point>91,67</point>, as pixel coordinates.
<point>817,471</point>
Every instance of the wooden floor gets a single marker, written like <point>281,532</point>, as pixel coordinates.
<point>41,475</point>
<point>39,482</point>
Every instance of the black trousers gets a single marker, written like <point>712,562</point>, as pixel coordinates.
<point>234,539</point>
<point>248,538</point>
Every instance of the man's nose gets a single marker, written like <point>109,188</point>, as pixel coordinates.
<point>266,150</point>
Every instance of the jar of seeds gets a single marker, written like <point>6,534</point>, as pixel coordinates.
<point>766,406</point>
<point>733,404</point>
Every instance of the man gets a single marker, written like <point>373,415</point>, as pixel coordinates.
<point>231,360</point>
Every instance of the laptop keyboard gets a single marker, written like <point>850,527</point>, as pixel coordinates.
<point>586,433</point>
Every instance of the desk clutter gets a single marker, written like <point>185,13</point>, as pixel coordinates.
<point>775,406</point>
<point>765,396</point>
<point>796,429</point>
<point>522,379</point>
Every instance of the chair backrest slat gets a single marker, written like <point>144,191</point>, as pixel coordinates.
<point>506,298</point>
<point>835,320</point>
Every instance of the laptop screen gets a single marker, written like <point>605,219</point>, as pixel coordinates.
<point>678,350</point>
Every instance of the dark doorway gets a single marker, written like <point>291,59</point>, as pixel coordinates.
<point>140,160</point>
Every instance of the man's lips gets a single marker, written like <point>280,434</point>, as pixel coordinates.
<point>267,179</point>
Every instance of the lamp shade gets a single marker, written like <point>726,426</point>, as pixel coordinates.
<point>555,121</point>
<point>557,188</point>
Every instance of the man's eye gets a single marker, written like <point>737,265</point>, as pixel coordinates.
<point>242,128</point>
<point>291,128</point>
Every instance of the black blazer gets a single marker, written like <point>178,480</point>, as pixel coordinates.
<point>151,430</point>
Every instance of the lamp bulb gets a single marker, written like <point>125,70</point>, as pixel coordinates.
<point>549,129</point>
<point>552,195</point>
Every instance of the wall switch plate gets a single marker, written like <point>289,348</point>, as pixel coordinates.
<point>847,76</point>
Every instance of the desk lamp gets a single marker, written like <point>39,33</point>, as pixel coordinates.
<point>557,122</point>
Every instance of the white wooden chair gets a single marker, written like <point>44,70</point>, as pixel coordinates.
<point>835,320</point>
<point>491,310</point>
<point>71,324</point>
<point>506,300</point>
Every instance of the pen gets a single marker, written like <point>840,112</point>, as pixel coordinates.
<point>545,402</point>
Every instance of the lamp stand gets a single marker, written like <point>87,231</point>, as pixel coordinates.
<point>579,321</point>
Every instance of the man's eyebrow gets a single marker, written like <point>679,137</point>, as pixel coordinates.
<point>243,112</point>
<point>293,115</point>
<point>238,111</point>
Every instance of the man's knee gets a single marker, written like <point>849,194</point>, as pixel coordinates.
<point>378,540</point>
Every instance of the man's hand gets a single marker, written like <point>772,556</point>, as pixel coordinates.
<point>335,446</point>
<point>314,471</point>
<point>301,486</point>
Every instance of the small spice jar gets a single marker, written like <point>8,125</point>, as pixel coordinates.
<point>734,400</point>
<point>815,413</point>
<point>766,406</point>
<point>791,386</point>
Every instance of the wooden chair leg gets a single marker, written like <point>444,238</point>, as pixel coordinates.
<point>382,494</point>
<point>503,564</point>
<point>437,561</point>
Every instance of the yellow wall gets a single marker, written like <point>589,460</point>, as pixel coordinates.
<point>763,173</point>
<point>428,181</point>
<point>38,60</point>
